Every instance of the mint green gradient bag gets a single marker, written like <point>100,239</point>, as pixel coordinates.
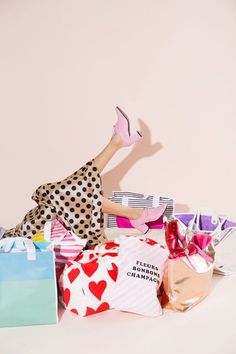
<point>28,292</point>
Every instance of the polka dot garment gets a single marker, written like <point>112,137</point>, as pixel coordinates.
<point>74,201</point>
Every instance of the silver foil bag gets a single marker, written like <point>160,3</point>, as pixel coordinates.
<point>225,247</point>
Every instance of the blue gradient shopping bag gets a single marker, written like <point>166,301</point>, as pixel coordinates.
<point>28,293</point>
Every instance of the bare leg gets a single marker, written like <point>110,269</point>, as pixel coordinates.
<point>120,210</point>
<point>101,161</point>
<point>108,152</point>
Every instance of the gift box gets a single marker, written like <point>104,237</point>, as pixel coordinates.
<point>28,294</point>
<point>138,200</point>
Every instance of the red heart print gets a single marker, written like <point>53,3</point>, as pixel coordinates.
<point>151,242</point>
<point>103,307</point>
<point>110,254</point>
<point>91,256</point>
<point>110,245</point>
<point>73,274</point>
<point>90,268</point>
<point>77,259</point>
<point>97,289</point>
<point>66,296</point>
<point>75,311</point>
<point>113,272</point>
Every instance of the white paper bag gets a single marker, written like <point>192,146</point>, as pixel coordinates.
<point>141,266</point>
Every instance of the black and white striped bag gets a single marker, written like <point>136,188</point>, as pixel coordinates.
<point>139,200</point>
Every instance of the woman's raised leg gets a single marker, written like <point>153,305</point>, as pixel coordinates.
<point>120,210</point>
<point>102,159</point>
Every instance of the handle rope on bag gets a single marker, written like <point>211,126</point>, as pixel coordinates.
<point>194,224</point>
<point>21,244</point>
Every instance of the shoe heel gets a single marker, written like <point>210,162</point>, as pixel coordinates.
<point>143,228</point>
<point>134,138</point>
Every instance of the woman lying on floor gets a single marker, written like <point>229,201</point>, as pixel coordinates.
<point>77,201</point>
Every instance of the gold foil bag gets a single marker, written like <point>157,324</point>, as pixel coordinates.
<point>184,286</point>
<point>189,269</point>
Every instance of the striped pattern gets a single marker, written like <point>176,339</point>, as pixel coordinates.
<point>137,200</point>
<point>138,259</point>
<point>68,248</point>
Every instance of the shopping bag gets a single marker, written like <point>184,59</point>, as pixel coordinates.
<point>189,271</point>
<point>66,245</point>
<point>210,223</point>
<point>28,294</point>
<point>141,264</point>
<point>87,282</point>
<point>225,260</point>
<point>138,200</point>
<point>223,232</point>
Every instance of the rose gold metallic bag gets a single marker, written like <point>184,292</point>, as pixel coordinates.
<point>188,275</point>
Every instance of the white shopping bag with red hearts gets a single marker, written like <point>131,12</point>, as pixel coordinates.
<point>86,283</point>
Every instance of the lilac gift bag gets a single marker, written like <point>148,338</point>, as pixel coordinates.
<point>205,223</point>
<point>223,232</point>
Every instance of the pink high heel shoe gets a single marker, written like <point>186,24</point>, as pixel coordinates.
<point>148,214</point>
<point>122,128</point>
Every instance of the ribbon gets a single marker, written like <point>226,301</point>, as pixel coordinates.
<point>179,247</point>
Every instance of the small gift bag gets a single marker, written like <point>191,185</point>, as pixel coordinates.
<point>205,221</point>
<point>188,275</point>
<point>28,294</point>
<point>138,200</point>
<point>87,282</point>
<point>223,233</point>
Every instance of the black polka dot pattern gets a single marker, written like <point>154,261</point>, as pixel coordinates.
<point>75,201</point>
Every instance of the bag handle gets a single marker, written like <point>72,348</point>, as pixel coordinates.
<point>155,200</point>
<point>194,223</point>
<point>47,236</point>
<point>125,201</point>
<point>21,244</point>
<point>220,236</point>
<point>47,231</point>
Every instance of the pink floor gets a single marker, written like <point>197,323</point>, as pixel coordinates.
<point>209,328</point>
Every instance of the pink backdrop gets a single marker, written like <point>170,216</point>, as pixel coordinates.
<point>65,65</point>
